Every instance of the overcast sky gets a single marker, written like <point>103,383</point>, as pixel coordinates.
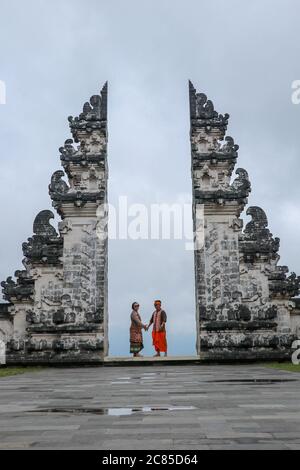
<point>55,55</point>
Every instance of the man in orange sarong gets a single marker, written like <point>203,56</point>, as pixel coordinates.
<point>158,319</point>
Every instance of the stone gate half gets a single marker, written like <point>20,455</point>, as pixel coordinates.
<point>57,309</point>
<point>243,298</point>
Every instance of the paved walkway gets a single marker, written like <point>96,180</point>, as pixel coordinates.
<point>151,407</point>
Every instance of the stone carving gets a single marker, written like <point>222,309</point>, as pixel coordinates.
<point>94,144</point>
<point>93,117</point>
<point>42,226</point>
<point>77,198</point>
<point>45,247</point>
<point>204,107</point>
<point>282,285</point>
<point>259,220</point>
<point>210,185</point>
<point>65,226</point>
<point>20,290</point>
<point>242,183</point>
<point>68,151</point>
<point>92,149</point>
<point>257,240</point>
<point>229,146</point>
<point>203,114</point>
<point>58,185</point>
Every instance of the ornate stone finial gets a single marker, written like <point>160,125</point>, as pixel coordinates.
<point>20,290</point>
<point>8,288</point>
<point>93,116</point>
<point>282,285</point>
<point>259,219</point>
<point>229,146</point>
<point>293,285</point>
<point>242,183</point>
<point>68,151</point>
<point>204,107</point>
<point>45,246</point>
<point>257,241</point>
<point>203,114</point>
<point>58,185</point>
<point>42,226</point>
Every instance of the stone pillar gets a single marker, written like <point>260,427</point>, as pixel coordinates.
<point>84,299</point>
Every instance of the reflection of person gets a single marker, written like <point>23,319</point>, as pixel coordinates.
<point>158,319</point>
<point>136,336</point>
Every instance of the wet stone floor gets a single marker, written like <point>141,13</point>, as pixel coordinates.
<point>151,407</point>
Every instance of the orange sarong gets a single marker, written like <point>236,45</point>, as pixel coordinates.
<point>159,341</point>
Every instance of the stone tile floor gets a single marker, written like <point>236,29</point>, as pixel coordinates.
<point>195,407</point>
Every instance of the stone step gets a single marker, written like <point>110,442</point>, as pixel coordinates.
<point>149,360</point>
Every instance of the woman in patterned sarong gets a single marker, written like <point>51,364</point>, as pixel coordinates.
<point>136,336</point>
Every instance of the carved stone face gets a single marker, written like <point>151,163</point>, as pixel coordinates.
<point>93,143</point>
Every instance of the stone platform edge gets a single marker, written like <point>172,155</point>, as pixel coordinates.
<point>126,361</point>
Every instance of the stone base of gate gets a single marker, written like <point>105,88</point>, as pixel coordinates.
<point>127,361</point>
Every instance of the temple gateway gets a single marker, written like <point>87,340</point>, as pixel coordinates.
<point>55,310</point>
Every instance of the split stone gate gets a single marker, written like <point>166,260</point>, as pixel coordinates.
<point>56,308</point>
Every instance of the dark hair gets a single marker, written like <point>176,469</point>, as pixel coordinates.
<point>132,306</point>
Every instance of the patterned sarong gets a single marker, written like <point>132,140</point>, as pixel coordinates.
<point>136,336</point>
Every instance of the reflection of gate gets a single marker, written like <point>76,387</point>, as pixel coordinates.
<point>2,352</point>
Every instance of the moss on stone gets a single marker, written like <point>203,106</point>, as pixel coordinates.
<point>7,371</point>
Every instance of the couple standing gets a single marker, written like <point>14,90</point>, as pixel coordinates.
<point>158,319</point>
